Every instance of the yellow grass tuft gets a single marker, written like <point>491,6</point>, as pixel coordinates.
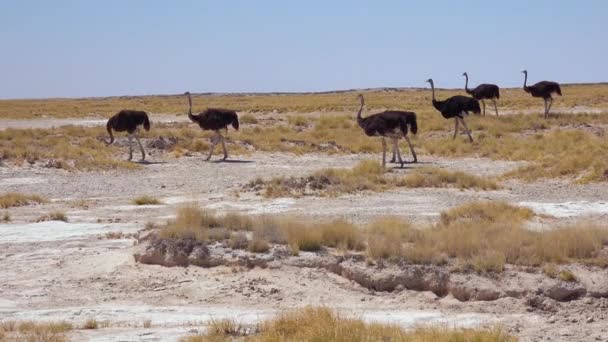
<point>34,331</point>
<point>431,177</point>
<point>323,324</point>
<point>15,199</point>
<point>53,216</point>
<point>146,200</point>
<point>91,324</point>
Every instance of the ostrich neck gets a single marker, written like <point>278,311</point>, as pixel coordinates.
<point>466,83</point>
<point>433,90</point>
<point>525,80</point>
<point>190,116</point>
<point>359,118</point>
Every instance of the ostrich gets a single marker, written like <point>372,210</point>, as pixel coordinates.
<point>213,119</point>
<point>129,120</point>
<point>392,124</point>
<point>456,107</point>
<point>483,92</point>
<point>543,89</point>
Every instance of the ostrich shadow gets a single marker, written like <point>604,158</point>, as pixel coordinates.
<point>233,161</point>
<point>147,162</point>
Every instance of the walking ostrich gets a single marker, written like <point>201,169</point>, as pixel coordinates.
<point>483,92</point>
<point>213,119</point>
<point>129,120</point>
<point>456,107</point>
<point>392,124</point>
<point>543,89</point>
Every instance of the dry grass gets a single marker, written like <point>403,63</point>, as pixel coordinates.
<point>367,175</point>
<point>68,147</point>
<point>15,199</point>
<point>146,200</point>
<point>6,217</point>
<point>34,331</point>
<point>514,99</point>
<point>564,146</point>
<point>484,236</point>
<point>323,324</point>
<point>53,216</point>
<point>90,324</point>
<point>432,177</point>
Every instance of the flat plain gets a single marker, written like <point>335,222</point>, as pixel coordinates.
<point>505,233</point>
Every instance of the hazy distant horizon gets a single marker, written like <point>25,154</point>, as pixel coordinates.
<point>261,93</point>
<point>74,49</point>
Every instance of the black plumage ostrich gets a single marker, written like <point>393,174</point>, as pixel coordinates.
<point>456,107</point>
<point>129,121</point>
<point>214,119</point>
<point>543,89</point>
<point>482,93</point>
<point>393,124</point>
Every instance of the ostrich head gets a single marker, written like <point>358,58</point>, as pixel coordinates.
<point>525,72</point>
<point>187,93</point>
<point>430,80</point>
<point>360,98</point>
<point>465,74</point>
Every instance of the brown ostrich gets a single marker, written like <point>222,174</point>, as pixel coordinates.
<point>213,119</point>
<point>129,121</point>
<point>392,124</point>
<point>543,89</point>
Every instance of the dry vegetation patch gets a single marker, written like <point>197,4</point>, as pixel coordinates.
<point>483,236</point>
<point>67,147</point>
<point>367,175</point>
<point>34,331</point>
<point>15,199</point>
<point>432,177</point>
<point>323,324</point>
<point>53,216</point>
<point>146,200</point>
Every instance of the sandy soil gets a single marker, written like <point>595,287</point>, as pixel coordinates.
<point>58,270</point>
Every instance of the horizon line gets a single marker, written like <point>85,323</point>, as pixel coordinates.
<point>272,93</point>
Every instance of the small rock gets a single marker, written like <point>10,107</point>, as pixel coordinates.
<point>551,320</point>
<point>590,320</point>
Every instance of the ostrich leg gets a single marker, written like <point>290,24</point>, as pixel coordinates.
<point>550,104</point>
<point>214,142</point>
<point>467,129</point>
<point>224,147</point>
<point>546,111</point>
<point>483,103</point>
<point>130,147</point>
<point>394,158</point>
<point>455,127</point>
<point>383,152</point>
<point>396,148</point>
<point>141,148</point>
<point>495,107</point>
<point>411,149</point>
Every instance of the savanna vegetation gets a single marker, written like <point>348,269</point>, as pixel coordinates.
<point>15,199</point>
<point>323,324</point>
<point>480,236</point>
<point>367,175</point>
<point>572,146</point>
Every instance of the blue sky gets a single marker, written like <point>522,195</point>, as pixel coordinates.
<point>102,48</point>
